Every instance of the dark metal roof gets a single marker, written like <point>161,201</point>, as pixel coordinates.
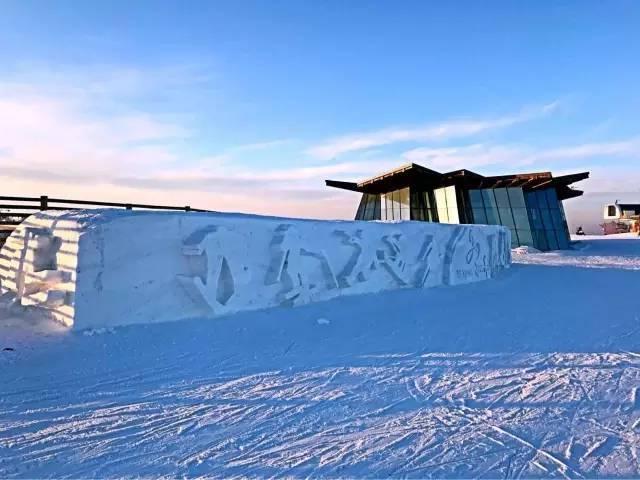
<point>414,175</point>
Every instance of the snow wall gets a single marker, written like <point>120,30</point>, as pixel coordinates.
<point>100,268</point>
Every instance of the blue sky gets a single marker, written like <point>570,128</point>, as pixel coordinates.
<point>250,105</point>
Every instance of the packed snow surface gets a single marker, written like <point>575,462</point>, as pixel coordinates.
<point>533,374</point>
<point>93,269</point>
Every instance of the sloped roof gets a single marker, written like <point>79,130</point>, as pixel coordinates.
<point>414,175</point>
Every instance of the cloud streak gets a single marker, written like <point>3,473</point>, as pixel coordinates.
<point>480,155</point>
<point>437,131</point>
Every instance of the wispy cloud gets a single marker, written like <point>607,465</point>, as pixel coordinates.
<point>437,131</point>
<point>478,155</point>
<point>251,147</point>
<point>43,131</point>
<point>467,156</point>
<point>629,147</point>
<point>58,139</point>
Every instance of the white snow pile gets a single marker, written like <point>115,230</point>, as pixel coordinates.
<point>96,269</point>
<point>524,250</point>
<point>589,252</point>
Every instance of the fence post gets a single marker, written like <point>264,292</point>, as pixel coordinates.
<point>44,202</point>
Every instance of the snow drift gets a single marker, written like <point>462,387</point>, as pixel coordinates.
<point>99,268</point>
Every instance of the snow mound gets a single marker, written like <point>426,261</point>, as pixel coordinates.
<point>524,250</point>
<point>95,269</point>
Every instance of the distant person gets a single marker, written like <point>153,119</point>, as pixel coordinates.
<point>580,231</point>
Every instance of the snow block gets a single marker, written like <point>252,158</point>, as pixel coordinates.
<point>101,268</point>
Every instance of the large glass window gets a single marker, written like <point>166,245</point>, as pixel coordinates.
<point>546,214</point>
<point>447,205</point>
<point>395,205</point>
<point>423,206</point>
<point>503,206</point>
<point>387,208</point>
<point>369,208</point>
<point>404,204</point>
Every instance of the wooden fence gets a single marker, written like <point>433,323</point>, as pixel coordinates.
<point>13,210</point>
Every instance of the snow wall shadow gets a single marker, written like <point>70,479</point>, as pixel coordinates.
<point>102,268</point>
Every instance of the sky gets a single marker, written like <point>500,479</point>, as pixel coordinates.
<point>250,105</point>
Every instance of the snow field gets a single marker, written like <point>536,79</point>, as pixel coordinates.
<point>534,374</point>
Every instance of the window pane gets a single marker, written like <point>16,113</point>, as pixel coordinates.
<point>521,218</point>
<point>488,198</point>
<point>552,198</point>
<point>536,218</point>
<point>365,206</point>
<point>451,196</point>
<point>563,241</point>
<point>506,218</point>
<point>516,197</point>
<point>542,199</point>
<point>514,238</point>
<point>452,205</point>
<point>441,198</point>
<point>370,207</point>
<point>540,240</point>
<point>389,205</point>
<point>441,203</point>
<point>417,205</point>
<point>502,198</point>
<point>479,216</point>
<point>428,199</point>
<point>383,206</point>
<point>404,197</point>
<point>475,197</point>
<point>525,237</point>
<point>556,218</point>
<point>396,205</point>
<point>531,199</point>
<point>360,211</point>
<point>492,216</point>
<point>546,219</point>
<point>551,239</point>
<point>403,200</point>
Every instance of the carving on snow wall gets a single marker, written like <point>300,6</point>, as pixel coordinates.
<point>299,268</point>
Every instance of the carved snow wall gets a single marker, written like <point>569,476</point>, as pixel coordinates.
<point>113,267</point>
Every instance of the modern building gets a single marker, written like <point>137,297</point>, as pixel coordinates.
<point>529,204</point>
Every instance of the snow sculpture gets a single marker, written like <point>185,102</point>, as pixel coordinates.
<point>99,269</point>
<point>38,267</point>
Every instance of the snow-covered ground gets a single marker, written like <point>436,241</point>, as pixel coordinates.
<point>533,374</point>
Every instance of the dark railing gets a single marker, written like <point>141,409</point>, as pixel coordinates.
<point>13,210</point>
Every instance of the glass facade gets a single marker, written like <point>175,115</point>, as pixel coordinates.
<point>503,206</point>
<point>369,208</point>
<point>447,205</point>
<point>395,205</point>
<point>423,206</point>
<point>548,221</point>
<point>534,218</point>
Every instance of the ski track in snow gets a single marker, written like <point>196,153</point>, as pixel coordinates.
<point>456,382</point>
